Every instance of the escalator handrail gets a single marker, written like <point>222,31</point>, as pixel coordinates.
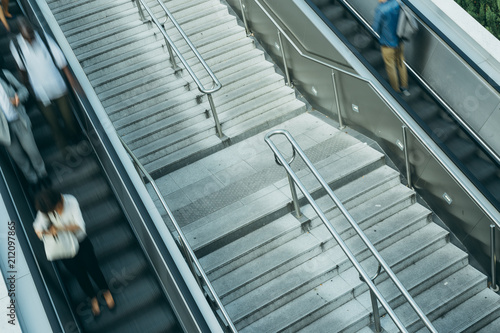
<point>183,243</point>
<point>435,95</point>
<point>478,198</point>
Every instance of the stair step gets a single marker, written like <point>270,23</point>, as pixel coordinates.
<point>440,299</point>
<point>224,102</point>
<point>325,298</point>
<point>295,281</point>
<point>205,236</point>
<point>261,240</point>
<point>494,326</point>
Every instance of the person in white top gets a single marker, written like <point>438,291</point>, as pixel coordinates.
<point>57,212</point>
<point>22,146</point>
<point>40,64</point>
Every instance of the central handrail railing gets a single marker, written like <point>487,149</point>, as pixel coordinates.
<point>191,258</point>
<point>216,85</point>
<point>296,181</point>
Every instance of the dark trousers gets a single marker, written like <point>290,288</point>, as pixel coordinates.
<point>85,264</point>
<point>60,108</point>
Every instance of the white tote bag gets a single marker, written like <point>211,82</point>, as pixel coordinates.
<point>64,245</point>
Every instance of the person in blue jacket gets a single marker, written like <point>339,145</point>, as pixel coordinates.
<point>385,24</point>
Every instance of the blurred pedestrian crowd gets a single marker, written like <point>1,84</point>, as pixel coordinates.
<point>33,78</point>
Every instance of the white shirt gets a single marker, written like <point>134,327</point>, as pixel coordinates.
<point>7,107</point>
<point>44,76</point>
<point>71,215</point>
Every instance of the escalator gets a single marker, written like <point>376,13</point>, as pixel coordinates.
<point>480,166</point>
<point>142,303</point>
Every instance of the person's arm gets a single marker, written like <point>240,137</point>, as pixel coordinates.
<point>19,61</point>
<point>76,214</point>
<point>41,225</point>
<point>21,90</point>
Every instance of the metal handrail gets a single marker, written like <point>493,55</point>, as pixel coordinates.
<point>434,94</point>
<point>490,212</point>
<point>171,46</point>
<point>354,224</point>
<point>183,243</point>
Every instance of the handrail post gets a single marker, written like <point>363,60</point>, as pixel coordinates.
<point>216,118</point>
<point>242,8</point>
<point>337,102</point>
<point>407,157</point>
<point>171,55</point>
<point>295,198</point>
<point>283,55</point>
<point>141,12</point>
<point>493,285</point>
<point>376,313</point>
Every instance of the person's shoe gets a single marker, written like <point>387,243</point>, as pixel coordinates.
<point>94,305</point>
<point>405,92</point>
<point>110,302</point>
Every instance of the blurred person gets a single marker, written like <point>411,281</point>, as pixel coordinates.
<point>40,64</point>
<point>58,212</point>
<point>22,147</point>
<point>385,23</point>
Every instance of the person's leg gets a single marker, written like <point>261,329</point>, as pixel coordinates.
<point>68,116</point>
<point>92,267</point>
<point>50,114</point>
<point>76,268</point>
<point>91,264</point>
<point>400,60</point>
<point>388,54</point>
<point>16,152</point>
<point>28,143</point>
<point>5,8</point>
<point>3,20</point>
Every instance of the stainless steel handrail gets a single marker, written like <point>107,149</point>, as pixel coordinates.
<point>216,83</point>
<point>490,212</point>
<point>353,223</point>
<point>434,94</point>
<point>183,243</point>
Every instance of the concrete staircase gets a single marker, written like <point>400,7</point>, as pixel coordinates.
<point>160,115</point>
<point>276,273</point>
<point>273,272</point>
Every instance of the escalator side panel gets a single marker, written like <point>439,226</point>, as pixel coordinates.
<point>455,77</point>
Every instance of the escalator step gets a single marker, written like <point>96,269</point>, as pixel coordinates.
<point>130,300</point>
<point>321,3</point>
<point>374,58</point>
<point>425,109</point>
<point>361,41</point>
<point>442,129</point>
<point>65,177</point>
<point>112,240</point>
<point>333,13</point>
<point>152,318</point>
<point>89,192</point>
<point>494,188</point>
<point>463,149</point>
<point>481,169</point>
<point>101,216</point>
<point>346,27</point>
